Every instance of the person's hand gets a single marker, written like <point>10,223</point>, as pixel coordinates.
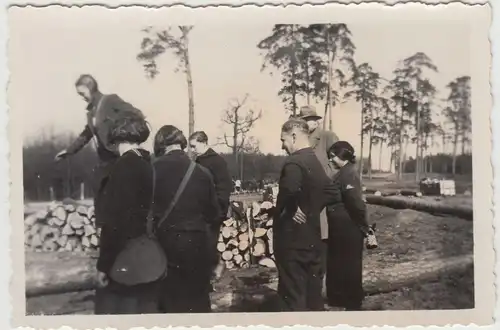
<point>299,216</point>
<point>61,155</point>
<point>102,279</point>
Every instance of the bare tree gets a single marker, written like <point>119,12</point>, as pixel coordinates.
<point>241,122</point>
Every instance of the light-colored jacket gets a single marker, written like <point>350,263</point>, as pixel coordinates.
<point>321,141</point>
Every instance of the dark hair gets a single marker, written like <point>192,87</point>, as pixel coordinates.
<point>343,150</point>
<point>132,129</point>
<point>88,81</point>
<point>292,123</point>
<point>168,135</point>
<point>199,136</point>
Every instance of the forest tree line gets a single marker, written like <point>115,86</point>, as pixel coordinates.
<point>401,114</point>
<point>316,63</point>
<point>45,179</point>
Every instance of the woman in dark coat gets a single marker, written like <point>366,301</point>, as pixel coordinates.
<point>347,228</point>
<point>125,202</point>
<point>184,234</point>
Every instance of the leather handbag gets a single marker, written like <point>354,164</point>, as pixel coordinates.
<point>143,260</point>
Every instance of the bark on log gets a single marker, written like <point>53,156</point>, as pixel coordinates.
<point>60,272</point>
<point>465,212</point>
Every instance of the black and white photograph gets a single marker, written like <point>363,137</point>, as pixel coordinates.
<point>178,162</point>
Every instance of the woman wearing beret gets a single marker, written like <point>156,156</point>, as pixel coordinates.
<point>347,228</point>
<point>184,234</point>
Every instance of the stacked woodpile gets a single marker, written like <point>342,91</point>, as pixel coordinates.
<point>245,238</point>
<point>61,227</point>
<point>262,240</point>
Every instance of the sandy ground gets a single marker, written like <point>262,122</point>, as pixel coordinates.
<point>403,235</point>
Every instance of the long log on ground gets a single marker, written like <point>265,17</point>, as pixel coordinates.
<point>254,289</point>
<point>461,211</point>
<point>60,272</point>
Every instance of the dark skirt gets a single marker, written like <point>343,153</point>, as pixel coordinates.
<point>344,281</point>
<point>119,299</point>
<point>186,289</point>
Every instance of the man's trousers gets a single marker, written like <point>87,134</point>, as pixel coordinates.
<point>300,279</point>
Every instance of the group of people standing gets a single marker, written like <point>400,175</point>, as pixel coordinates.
<point>319,223</point>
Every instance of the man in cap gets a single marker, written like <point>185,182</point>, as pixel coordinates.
<point>321,141</point>
<point>102,112</point>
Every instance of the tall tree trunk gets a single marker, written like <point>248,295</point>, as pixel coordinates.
<point>454,159</point>
<point>308,89</point>
<point>405,152</point>
<point>235,137</point>
<point>328,105</point>
<point>241,166</point>
<point>326,111</point>
<point>380,155</point>
<point>370,146</point>
<point>391,160</point>
<point>361,160</point>
<point>400,160</point>
<point>463,143</point>
<point>294,69</point>
<point>443,141</point>
<point>189,80</point>
<point>418,157</point>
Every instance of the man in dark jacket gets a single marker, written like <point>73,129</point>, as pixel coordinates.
<point>102,112</point>
<point>304,189</point>
<point>217,166</point>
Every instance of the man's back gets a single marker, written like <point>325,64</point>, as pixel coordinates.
<point>302,184</point>
<point>220,174</point>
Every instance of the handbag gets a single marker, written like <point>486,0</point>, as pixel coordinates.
<point>143,260</point>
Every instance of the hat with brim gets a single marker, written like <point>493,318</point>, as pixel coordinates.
<point>308,112</point>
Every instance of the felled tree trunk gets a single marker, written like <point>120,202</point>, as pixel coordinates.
<point>465,212</point>
<point>59,272</point>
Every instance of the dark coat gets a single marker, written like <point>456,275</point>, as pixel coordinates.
<point>220,174</point>
<point>124,205</point>
<point>347,224</point>
<point>196,207</point>
<point>102,113</point>
<point>185,235</point>
<point>303,183</point>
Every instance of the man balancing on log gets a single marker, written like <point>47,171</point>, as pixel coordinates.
<point>304,190</point>
<point>102,112</point>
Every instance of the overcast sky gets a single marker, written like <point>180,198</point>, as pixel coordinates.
<point>50,47</point>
